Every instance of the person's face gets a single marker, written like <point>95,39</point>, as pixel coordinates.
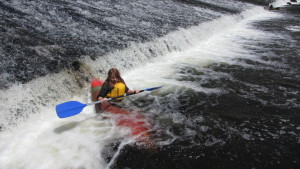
<point>114,79</point>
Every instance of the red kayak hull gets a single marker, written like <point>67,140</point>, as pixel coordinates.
<point>136,122</point>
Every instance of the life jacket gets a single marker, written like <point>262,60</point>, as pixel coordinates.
<point>118,90</point>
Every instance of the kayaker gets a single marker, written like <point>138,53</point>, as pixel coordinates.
<point>113,86</point>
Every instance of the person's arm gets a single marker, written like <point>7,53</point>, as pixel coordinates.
<point>133,91</point>
<point>129,91</point>
<point>103,92</point>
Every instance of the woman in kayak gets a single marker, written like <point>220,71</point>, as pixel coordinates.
<point>113,86</point>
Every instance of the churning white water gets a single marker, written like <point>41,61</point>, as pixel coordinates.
<point>33,137</point>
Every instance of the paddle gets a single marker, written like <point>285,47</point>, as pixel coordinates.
<point>72,108</point>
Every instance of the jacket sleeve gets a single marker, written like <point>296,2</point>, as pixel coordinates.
<point>104,90</point>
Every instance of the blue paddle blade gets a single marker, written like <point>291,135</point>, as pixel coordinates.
<point>68,109</point>
<point>153,88</point>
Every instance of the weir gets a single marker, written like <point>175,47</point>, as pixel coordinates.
<point>229,71</point>
<point>54,88</point>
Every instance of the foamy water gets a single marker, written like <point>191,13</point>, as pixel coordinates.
<point>39,139</point>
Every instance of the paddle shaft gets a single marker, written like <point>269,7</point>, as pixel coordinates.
<point>113,98</point>
<point>72,108</point>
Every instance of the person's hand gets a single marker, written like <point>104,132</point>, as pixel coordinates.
<point>101,98</point>
<point>133,91</point>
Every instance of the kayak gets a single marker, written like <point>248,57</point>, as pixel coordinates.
<point>135,121</point>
